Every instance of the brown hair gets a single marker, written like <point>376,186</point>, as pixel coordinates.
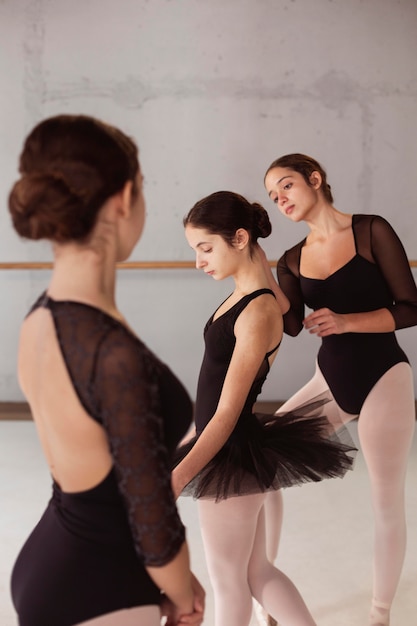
<point>305,166</point>
<point>70,165</point>
<point>224,212</point>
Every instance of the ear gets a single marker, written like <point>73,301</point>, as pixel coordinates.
<point>124,198</point>
<point>316,180</point>
<point>241,238</point>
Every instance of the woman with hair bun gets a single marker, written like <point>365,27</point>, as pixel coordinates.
<point>353,272</point>
<point>237,460</point>
<point>108,412</point>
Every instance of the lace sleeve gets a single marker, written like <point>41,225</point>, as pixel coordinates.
<point>389,254</point>
<point>289,281</point>
<point>127,395</point>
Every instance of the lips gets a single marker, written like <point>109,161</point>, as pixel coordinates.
<point>289,209</point>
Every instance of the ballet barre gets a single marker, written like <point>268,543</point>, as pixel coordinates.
<point>126,265</point>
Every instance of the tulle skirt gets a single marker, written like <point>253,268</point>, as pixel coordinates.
<point>269,452</point>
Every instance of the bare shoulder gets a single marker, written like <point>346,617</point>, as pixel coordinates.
<point>264,304</point>
<point>262,314</point>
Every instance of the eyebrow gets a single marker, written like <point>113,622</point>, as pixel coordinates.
<point>279,181</point>
<point>202,243</point>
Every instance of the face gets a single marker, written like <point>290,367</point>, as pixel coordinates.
<point>213,254</point>
<point>291,193</point>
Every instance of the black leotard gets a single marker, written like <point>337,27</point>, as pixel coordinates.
<point>377,277</point>
<point>264,452</point>
<point>87,555</point>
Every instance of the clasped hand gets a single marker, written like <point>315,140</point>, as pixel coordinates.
<point>324,322</point>
<point>174,616</point>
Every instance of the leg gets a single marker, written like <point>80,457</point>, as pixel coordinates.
<point>233,532</point>
<point>315,387</point>
<point>272,588</point>
<point>386,427</point>
<point>273,507</point>
<point>143,615</point>
<point>228,530</point>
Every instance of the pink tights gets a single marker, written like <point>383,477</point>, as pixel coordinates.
<point>234,537</point>
<point>386,426</point>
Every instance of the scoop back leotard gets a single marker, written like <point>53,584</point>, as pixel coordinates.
<point>87,555</point>
<point>264,452</point>
<point>377,277</point>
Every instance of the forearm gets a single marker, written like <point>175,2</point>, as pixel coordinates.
<point>174,579</point>
<point>212,439</point>
<point>379,321</point>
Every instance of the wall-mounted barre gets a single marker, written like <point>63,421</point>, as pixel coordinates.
<point>127,265</point>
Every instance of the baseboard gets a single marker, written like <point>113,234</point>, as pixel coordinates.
<point>19,411</point>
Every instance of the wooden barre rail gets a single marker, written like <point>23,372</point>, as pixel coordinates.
<point>127,265</point>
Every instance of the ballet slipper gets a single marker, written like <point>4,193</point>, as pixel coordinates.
<point>379,615</point>
<point>262,616</point>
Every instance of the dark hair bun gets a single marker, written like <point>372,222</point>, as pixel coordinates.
<point>262,224</point>
<point>30,202</point>
<point>70,165</point>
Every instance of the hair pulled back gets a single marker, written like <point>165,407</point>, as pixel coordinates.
<point>305,166</point>
<point>224,212</point>
<point>70,165</point>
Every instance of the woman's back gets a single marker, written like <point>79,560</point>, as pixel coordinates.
<point>74,445</point>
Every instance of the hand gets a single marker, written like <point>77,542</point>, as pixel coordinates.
<point>324,322</point>
<point>174,615</point>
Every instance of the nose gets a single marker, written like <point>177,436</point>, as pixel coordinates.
<point>282,199</point>
<point>199,262</point>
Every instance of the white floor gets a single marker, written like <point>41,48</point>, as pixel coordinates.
<point>326,543</point>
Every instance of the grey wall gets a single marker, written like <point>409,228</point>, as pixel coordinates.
<point>213,91</point>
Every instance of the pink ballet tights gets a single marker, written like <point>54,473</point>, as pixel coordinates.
<point>233,532</point>
<point>385,428</point>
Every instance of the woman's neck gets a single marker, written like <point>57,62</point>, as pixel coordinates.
<point>327,221</point>
<point>84,275</point>
<point>250,277</point>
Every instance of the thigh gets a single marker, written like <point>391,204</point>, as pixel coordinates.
<point>317,387</point>
<point>137,616</point>
<point>228,529</point>
<point>387,422</point>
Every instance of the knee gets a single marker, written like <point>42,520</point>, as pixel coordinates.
<point>389,508</point>
<point>258,575</point>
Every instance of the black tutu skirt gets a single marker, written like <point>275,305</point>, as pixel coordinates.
<point>270,452</point>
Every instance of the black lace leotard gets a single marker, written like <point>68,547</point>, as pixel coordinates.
<point>264,452</point>
<point>87,555</point>
<point>377,277</point>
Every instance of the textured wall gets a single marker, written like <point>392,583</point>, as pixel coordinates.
<point>213,90</point>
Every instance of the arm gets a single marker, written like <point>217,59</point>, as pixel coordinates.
<point>127,393</point>
<point>388,253</point>
<point>255,329</point>
<point>288,279</point>
<point>390,256</point>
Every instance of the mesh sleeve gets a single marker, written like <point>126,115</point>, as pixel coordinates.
<point>127,393</point>
<point>289,281</point>
<point>389,254</point>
